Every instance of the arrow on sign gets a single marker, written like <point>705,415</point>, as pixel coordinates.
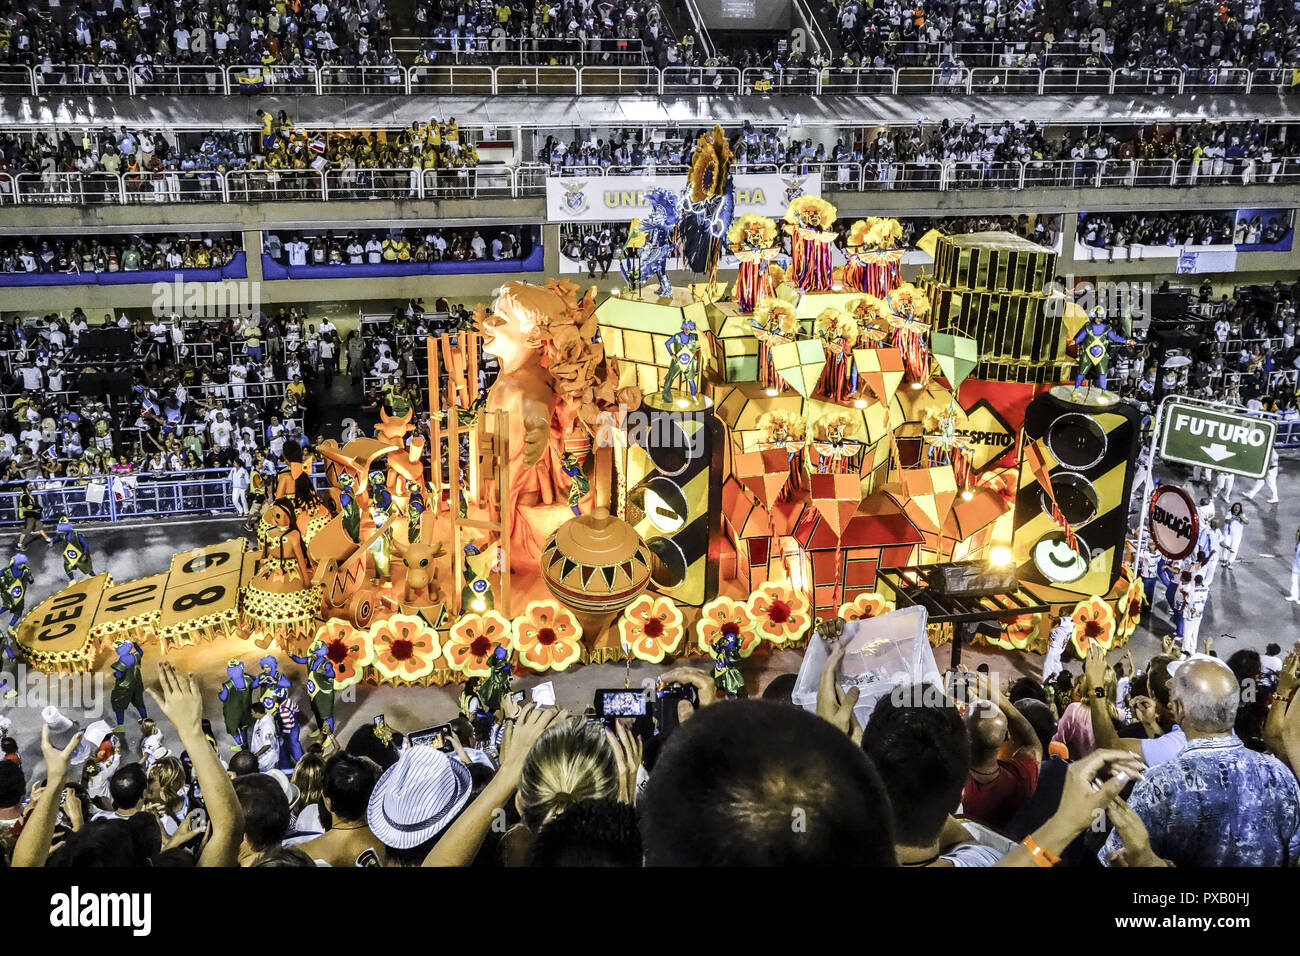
<point>1217,451</point>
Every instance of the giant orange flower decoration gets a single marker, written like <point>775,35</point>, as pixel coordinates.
<point>779,612</point>
<point>866,604</point>
<point>472,641</point>
<point>547,636</point>
<point>348,649</point>
<point>1130,605</point>
<point>406,647</point>
<point>652,628</point>
<point>1093,621</point>
<point>1017,631</point>
<point>725,615</point>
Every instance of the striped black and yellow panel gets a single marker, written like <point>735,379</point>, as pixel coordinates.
<point>1091,453</point>
<point>670,486</point>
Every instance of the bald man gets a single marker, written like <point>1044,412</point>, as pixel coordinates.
<point>996,789</point>
<point>1216,803</point>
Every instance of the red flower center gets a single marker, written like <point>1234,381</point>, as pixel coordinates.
<point>401,649</point>
<point>731,629</point>
<point>336,651</point>
<point>480,647</point>
<point>654,627</point>
<point>1093,630</point>
<point>546,637</point>
<point>868,611</point>
<point>779,612</point>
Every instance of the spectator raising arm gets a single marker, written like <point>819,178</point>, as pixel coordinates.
<point>180,700</point>
<point>33,846</point>
<point>461,842</point>
<point>1103,729</point>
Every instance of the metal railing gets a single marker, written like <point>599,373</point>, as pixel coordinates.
<point>114,497</point>
<point>529,179</point>
<point>613,79</point>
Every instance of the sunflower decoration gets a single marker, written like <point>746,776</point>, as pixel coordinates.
<point>779,612</point>
<point>1094,621</point>
<point>751,233</point>
<point>872,315</point>
<point>547,636</point>
<point>473,640</point>
<point>1017,631</point>
<point>652,628</point>
<point>865,605</point>
<point>350,650</point>
<point>1129,605</point>
<point>710,166</point>
<point>405,648</point>
<point>726,616</point>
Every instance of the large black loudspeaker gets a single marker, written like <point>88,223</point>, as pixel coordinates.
<point>670,491</point>
<point>1092,454</point>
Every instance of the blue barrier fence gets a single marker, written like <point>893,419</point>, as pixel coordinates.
<point>533,262</point>
<point>237,268</point>
<point>1288,432</point>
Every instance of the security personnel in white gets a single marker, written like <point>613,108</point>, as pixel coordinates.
<point>1060,636</point>
<point>1295,570</point>
<point>1270,478</point>
<point>1193,613</point>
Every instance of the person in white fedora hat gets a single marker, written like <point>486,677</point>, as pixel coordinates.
<point>415,800</point>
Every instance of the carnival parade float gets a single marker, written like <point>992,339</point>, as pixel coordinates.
<point>685,472</point>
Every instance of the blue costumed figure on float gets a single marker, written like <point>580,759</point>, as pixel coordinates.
<point>652,238</point>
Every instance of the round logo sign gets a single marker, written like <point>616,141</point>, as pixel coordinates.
<point>1174,521</point>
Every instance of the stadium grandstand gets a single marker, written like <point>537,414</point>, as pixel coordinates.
<point>325,305</point>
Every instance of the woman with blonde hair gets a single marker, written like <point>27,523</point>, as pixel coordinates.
<point>309,778</point>
<point>166,792</point>
<point>572,761</point>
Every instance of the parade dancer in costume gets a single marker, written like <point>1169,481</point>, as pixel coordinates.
<point>1233,529</point>
<point>726,665</point>
<point>320,686</point>
<point>1062,631</point>
<point>270,679</point>
<point>684,347</point>
<point>1094,348</point>
<point>128,682</point>
<point>236,696</point>
<point>498,685</point>
<point>14,581</point>
<point>1270,479</point>
<point>75,550</point>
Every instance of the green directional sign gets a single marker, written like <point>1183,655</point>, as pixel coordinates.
<point>1222,440</point>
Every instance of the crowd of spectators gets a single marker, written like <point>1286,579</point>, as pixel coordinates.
<point>110,253</point>
<point>103,37</point>
<point>170,165</point>
<point>1106,765</point>
<point>1104,230</point>
<point>465,244</point>
<point>221,394</point>
<point>1147,34</point>
<point>556,32</point>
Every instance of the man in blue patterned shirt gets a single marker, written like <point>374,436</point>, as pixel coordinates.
<point>1216,803</point>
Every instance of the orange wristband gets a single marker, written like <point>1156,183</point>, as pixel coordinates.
<point>1042,856</point>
